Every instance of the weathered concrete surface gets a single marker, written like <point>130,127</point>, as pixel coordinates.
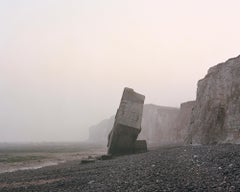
<point>183,121</point>
<point>127,123</point>
<point>157,124</point>
<point>140,146</point>
<point>216,115</point>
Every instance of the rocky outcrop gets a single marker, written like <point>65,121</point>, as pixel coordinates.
<point>127,124</point>
<point>183,121</point>
<point>216,115</point>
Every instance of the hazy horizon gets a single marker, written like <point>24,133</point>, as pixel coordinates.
<point>64,63</point>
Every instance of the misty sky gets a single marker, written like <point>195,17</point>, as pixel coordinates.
<point>64,63</point>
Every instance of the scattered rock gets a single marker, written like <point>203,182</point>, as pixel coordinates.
<point>84,161</point>
<point>173,170</point>
<point>195,156</point>
<point>105,157</point>
<point>91,182</point>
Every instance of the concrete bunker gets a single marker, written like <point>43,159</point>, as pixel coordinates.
<point>122,139</point>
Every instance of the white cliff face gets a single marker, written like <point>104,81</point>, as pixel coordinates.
<point>183,121</point>
<point>157,126</point>
<point>216,115</point>
<point>99,133</point>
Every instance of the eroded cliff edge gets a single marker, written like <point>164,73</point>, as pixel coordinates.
<point>216,115</point>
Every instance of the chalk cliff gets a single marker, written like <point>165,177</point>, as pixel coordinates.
<point>183,120</point>
<point>99,132</point>
<point>157,126</point>
<point>216,115</point>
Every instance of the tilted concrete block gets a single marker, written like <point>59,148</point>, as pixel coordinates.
<point>127,123</point>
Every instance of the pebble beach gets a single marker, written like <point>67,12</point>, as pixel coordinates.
<point>169,168</point>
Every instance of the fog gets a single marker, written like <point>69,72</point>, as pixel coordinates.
<point>64,63</point>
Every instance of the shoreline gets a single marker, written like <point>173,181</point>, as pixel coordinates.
<point>48,160</point>
<point>173,168</point>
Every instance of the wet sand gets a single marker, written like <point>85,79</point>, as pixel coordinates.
<point>14,157</point>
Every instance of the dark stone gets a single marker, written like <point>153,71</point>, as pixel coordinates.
<point>127,125</point>
<point>105,157</point>
<point>84,161</point>
<point>140,146</point>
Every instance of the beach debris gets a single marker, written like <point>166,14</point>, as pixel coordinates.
<point>105,157</point>
<point>84,161</point>
<point>127,125</point>
<point>89,159</point>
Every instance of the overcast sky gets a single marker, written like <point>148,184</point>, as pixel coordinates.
<point>64,63</point>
